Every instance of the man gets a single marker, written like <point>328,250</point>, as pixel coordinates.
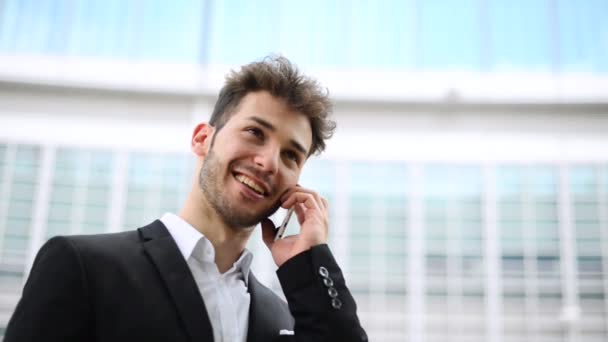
<point>186,277</point>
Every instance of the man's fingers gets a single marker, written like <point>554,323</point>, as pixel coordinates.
<point>299,210</point>
<point>325,203</point>
<point>296,189</point>
<point>305,196</point>
<point>307,199</point>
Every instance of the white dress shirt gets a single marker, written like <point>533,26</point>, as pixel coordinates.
<point>226,297</point>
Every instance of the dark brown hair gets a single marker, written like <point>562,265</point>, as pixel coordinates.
<point>278,76</point>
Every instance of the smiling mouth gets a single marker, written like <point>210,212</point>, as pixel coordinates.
<point>251,184</point>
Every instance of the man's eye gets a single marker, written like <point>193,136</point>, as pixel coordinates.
<point>256,132</point>
<point>292,156</point>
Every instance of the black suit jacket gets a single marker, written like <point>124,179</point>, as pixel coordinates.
<point>136,286</point>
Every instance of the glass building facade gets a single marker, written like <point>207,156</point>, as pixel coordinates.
<point>431,251</point>
<point>478,35</point>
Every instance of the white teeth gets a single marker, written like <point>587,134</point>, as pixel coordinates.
<point>250,183</point>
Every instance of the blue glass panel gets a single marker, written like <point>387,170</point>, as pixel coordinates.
<point>59,20</point>
<point>34,27</point>
<point>543,182</point>
<point>601,55</point>
<point>340,33</point>
<point>449,34</point>
<point>149,30</point>
<point>98,28</point>
<point>583,181</point>
<point>243,31</point>
<point>583,35</point>
<point>520,35</point>
<point>100,169</point>
<point>171,31</point>
<point>603,174</point>
<point>378,179</point>
<point>443,181</point>
<point>9,17</point>
<point>408,34</point>
<point>359,174</point>
<point>319,175</point>
<point>466,181</point>
<point>314,32</point>
<point>26,164</point>
<point>379,34</point>
<point>25,25</point>
<point>509,182</point>
<point>144,171</point>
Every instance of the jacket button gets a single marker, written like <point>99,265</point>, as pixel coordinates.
<point>336,303</point>
<point>323,272</point>
<point>332,292</point>
<point>328,282</point>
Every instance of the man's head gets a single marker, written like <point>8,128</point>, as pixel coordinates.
<point>267,121</point>
<point>281,79</point>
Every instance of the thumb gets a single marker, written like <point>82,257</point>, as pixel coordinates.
<point>268,231</point>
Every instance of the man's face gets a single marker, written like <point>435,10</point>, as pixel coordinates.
<point>254,159</point>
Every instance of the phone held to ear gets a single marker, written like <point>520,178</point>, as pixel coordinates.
<point>283,226</point>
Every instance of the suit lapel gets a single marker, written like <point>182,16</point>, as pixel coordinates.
<point>174,271</point>
<point>266,318</point>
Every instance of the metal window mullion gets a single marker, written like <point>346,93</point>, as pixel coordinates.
<point>416,283</point>
<point>41,205</point>
<point>454,261</point>
<point>80,194</point>
<point>118,191</point>
<point>602,196</point>
<point>528,254</point>
<point>377,244</point>
<point>570,309</point>
<point>341,230</point>
<point>407,255</point>
<point>152,202</point>
<point>493,289</point>
<point>7,179</point>
<point>185,182</point>
<point>531,265</point>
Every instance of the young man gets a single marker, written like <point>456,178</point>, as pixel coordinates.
<point>186,277</point>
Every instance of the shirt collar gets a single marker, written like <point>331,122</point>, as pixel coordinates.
<point>188,238</point>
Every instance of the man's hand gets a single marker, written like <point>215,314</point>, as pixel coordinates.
<point>312,212</point>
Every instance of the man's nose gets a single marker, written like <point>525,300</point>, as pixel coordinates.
<point>267,159</point>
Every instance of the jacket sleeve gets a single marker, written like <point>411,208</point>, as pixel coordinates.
<point>319,301</point>
<point>54,304</point>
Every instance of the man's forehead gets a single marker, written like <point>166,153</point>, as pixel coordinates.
<point>274,114</point>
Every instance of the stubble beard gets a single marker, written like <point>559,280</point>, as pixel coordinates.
<point>209,183</point>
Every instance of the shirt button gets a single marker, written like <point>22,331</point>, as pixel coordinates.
<point>323,272</point>
<point>336,303</point>
<point>332,292</point>
<point>328,282</point>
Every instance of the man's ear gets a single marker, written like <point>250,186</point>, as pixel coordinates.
<point>201,139</point>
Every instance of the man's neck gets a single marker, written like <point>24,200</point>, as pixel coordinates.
<point>228,243</point>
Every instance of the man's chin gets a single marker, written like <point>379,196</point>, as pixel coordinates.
<point>254,219</point>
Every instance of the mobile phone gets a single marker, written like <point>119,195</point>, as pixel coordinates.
<point>283,226</point>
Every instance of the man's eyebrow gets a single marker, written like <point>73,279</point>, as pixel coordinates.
<point>271,127</point>
<point>263,123</point>
<point>298,147</point>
